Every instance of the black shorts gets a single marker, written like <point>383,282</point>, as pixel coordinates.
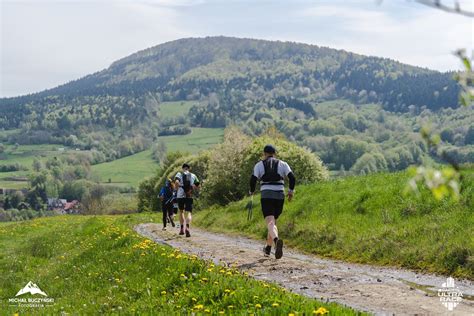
<point>186,204</point>
<point>272,207</point>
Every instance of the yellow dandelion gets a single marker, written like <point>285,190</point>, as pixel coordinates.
<point>194,299</point>
<point>320,311</point>
<point>275,304</point>
<point>258,306</point>
<point>199,307</point>
<point>163,292</point>
<point>227,291</point>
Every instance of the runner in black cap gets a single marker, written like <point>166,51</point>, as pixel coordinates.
<point>271,173</point>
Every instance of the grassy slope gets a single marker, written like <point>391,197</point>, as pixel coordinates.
<point>175,108</point>
<point>132,169</point>
<point>368,219</point>
<point>24,155</point>
<point>99,265</point>
<point>129,170</point>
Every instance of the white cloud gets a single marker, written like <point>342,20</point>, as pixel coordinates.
<point>425,37</point>
<point>48,42</point>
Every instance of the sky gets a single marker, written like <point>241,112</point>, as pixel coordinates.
<point>45,43</point>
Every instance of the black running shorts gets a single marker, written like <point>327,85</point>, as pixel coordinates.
<point>186,204</point>
<point>272,207</point>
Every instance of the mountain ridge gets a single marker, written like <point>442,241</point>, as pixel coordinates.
<point>157,51</point>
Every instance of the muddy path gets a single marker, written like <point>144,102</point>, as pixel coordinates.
<point>382,291</point>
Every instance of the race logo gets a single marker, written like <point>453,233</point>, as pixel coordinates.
<point>449,295</point>
<point>32,289</point>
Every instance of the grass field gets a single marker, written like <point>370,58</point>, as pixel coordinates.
<point>175,108</point>
<point>368,219</point>
<point>96,265</point>
<point>129,171</point>
<point>200,138</point>
<point>24,155</point>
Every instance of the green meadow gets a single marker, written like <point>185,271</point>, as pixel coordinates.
<point>175,108</point>
<point>95,265</point>
<point>131,170</point>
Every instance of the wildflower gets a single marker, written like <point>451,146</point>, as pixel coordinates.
<point>258,306</point>
<point>199,307</point>
<point>320,311</point>
<point>163,292</point>
<point>194,299</point>
<point>291,314</point>
<point>207,310</point>
<point>230,306</point>
<point>221,312</point>
<point>227,290</point>
<point>275,304</point>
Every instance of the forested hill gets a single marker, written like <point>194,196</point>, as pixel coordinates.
<point>256,71</point>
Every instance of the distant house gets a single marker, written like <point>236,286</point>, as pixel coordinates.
<point>62,206</point>
<point>56,204</point>
<point>72,207</point>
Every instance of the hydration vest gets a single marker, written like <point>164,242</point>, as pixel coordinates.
<point>271,175</point>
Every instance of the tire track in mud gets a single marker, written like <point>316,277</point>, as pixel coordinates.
<point>379,290</point>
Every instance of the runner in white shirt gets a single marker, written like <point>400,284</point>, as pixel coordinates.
<point>271,173</point>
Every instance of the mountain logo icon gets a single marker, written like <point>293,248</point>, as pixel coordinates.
<point>32,289</point>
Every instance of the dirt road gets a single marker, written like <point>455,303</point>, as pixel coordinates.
<point>382,291</point>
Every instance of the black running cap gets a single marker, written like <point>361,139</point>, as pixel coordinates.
<point>185,165</point>
<point>269,149</point>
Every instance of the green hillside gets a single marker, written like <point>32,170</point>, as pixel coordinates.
<point>368,219</point>
<point>133,169</point>
<point>95,265</point>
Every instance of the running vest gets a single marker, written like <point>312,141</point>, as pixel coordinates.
<point>271,177</point>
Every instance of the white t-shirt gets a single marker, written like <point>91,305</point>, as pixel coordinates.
<point>283,170</point>
<point>179,176</point>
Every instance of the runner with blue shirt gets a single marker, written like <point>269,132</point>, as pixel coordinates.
<point>166,197</point>
<point>271,173</point>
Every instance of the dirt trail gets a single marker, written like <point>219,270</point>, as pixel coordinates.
<point>382,291</point>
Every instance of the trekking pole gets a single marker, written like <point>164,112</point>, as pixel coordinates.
<point>250,208</point>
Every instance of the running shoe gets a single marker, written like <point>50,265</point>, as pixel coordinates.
<point>188,234</point>
<point>278,249</point>
<point>181,231</point>
<point>267,250</point>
